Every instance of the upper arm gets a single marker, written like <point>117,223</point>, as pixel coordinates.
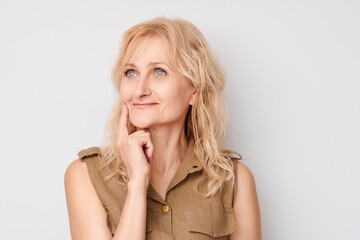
<point>246,206</point>
<point>87,216</point>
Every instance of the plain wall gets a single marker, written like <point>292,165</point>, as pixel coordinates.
<point>292,92</point>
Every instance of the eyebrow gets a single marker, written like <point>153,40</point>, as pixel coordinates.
<point>150,64</point>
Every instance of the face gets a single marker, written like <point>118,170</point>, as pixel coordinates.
<point>155,93</point>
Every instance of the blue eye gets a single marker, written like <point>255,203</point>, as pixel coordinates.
<point>160,72</point>
<point>129,73</point>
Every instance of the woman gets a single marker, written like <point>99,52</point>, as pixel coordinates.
<point>163,171</point>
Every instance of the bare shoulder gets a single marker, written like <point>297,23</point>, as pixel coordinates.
<point>76,171</point>
<point>87,216</point>
<point>77,177</point>
<point>245,184</point>
<point>246,205</point>
<point>244,174</point>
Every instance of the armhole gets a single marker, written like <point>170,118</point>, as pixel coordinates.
<point>235,163</point>
<point>93,173</point>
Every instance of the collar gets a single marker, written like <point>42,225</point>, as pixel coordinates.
<point>188,165</point>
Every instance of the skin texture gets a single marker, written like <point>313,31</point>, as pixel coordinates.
<point>246,206</point>
<point>160,130</point>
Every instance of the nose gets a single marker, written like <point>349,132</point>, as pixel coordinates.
<point>143,88</point>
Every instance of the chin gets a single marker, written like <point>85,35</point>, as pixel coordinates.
<point>141,124</point>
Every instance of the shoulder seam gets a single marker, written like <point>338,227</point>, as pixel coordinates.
<point>88,152</point>
<point>231,153</point>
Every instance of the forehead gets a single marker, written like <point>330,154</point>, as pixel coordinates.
<point>149,49</point>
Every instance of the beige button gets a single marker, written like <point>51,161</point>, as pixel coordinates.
<point>165,208</point>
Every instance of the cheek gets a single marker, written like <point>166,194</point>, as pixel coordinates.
<point>176,96</point>
<point>125,91</point>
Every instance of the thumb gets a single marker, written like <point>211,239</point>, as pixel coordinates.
<point>149,150</point>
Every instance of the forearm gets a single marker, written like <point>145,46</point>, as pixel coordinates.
<point>132,222</point>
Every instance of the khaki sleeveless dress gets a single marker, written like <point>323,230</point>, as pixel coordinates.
<point>183,214</point>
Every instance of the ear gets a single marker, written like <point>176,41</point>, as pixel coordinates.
<point>193,97</point>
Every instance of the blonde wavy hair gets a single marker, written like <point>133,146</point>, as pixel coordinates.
<point>205,121</point>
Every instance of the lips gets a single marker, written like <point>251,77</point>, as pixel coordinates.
<point>144,105</point>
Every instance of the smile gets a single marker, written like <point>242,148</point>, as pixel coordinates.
<point>144,105</point>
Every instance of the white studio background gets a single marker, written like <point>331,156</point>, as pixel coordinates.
<point>292,91</point>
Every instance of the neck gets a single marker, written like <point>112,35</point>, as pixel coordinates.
<point>170,145</point>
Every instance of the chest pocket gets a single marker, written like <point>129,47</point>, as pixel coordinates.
<point>210,222</point>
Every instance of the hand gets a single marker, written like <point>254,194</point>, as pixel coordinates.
<point>136,150</point>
